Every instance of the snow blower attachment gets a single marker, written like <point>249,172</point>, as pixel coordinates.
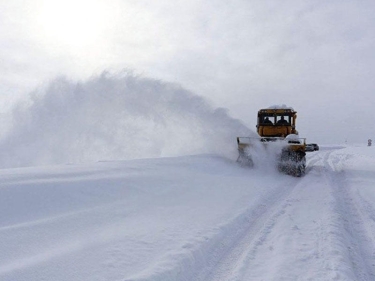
<point>277,132</point>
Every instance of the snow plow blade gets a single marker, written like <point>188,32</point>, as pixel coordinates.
<point>289,153</point>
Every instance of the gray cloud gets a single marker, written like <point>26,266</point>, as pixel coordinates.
<point>243,55</point>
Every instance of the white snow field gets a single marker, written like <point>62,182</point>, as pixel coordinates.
<point>196,218</point>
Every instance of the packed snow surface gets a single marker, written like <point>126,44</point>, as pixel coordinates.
<point>196,218</point>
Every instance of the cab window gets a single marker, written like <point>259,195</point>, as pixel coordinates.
<point>267,120</point>
<point>283,120</point>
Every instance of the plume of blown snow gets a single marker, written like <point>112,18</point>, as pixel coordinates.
<point>265,156</point>
<point>116,117</point>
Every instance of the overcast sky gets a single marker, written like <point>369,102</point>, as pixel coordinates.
<point>316,56</point>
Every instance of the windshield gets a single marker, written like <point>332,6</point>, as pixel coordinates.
<point>267,119</point>
<point>271,119</point>
<point>282,120</point>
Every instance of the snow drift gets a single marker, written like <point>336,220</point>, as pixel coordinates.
<point>199,218</point>
<point>115,116</point>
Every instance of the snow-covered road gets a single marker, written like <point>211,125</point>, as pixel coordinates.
<point>319,228</point>
<point>190,218</point>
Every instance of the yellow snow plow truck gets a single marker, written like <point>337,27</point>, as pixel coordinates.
<point>276,127</point>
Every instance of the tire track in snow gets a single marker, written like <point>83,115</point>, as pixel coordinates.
<point>368,211</point>
<point>312,159</point>
<point>352,237</point>
<point>343,245</point>
<point>236,251</point>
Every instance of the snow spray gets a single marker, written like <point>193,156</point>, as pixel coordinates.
<point>115,117</point>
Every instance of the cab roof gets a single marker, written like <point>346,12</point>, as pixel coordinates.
<point>277,111</point>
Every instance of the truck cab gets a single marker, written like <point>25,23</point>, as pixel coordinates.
<point>276,123</point>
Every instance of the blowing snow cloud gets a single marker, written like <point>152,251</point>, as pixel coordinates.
<point>115,117</point>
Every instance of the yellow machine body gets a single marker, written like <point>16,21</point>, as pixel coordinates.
<point>277,125</point>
